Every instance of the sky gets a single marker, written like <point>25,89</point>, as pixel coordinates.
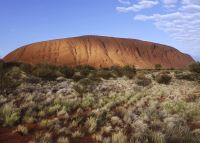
<point>171,22</point>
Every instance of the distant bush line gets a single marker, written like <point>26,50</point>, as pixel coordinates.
<point>12,73</point>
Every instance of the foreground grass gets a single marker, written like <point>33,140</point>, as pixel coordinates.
<point>142,109</point>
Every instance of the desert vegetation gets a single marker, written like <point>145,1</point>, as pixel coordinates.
<point>50,104</point>
<point>195,67</point>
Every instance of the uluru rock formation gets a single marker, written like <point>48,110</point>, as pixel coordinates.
<point>100,51</point>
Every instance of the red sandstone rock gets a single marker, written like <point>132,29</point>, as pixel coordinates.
<point>99,51</point>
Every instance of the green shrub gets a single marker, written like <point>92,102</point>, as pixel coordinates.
<point>14,73</point>
<point>106,74</point>
<point>48,72</point>
<point>26,68</point>
<point>163,78</point>
<point>116,70</point>
<point>142,80</point>
<point>84,69</point>
<point>67,71</point>
<point>86,81</point>
<point>187,76</point>
<point>129,71</point>
<point>79,89</point>
<point>85,85</point>
<point>9,77</point>
<point>195,67</point>
<point>8,84</point>
<point>8,65</point>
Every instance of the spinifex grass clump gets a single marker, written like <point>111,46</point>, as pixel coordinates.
<point>10,114</point>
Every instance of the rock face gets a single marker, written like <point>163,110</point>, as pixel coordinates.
<point>99,51</point>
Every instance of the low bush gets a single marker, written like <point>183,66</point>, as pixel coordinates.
<point>163,78</point>
<point>9,77</point>
<point>68,72</point>
<point>84,69</point>
<point>187,76</point>
<point>45,71</point>
<point>14,73</point>
<point>8,65</point>
<point>27,68</point>
<point>105,74</point>
<point>128,71</point>
<point>88,84</point>
<point>142,80</point>
<point>116,71</point>
<point>195,67</point>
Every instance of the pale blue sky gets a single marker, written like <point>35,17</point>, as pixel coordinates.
<point>172,22</point>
